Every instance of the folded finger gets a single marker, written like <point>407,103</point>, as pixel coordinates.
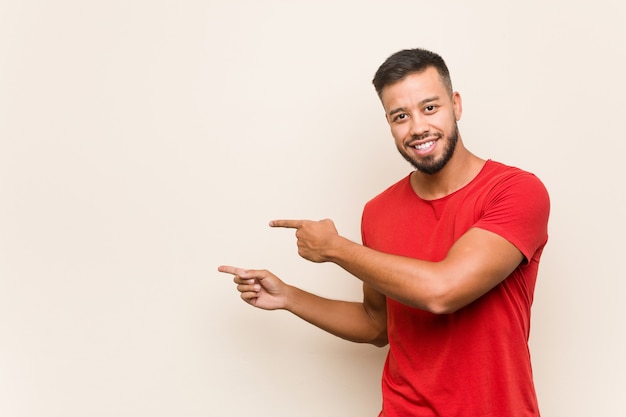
<point>249,287</point>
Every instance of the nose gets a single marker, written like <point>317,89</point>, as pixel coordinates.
<point>418,126</point>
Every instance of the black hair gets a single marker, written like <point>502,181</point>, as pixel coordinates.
<point>410,61</point>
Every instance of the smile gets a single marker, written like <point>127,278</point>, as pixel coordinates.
<point>424,145</point>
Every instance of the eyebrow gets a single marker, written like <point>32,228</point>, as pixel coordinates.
<point>421,103</point>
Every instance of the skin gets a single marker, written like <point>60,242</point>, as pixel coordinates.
<point>419,110</point>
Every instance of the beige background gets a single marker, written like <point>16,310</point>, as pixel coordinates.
<point>143,143</point>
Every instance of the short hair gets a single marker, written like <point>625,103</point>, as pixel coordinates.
<point>410,61</point>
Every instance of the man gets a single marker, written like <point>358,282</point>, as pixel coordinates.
<point>449,262</point>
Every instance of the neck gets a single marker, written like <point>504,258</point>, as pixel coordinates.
<point>458,172</point>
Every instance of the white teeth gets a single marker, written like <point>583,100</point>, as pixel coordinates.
<point>425,145</point>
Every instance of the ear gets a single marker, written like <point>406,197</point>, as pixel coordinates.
<point>457,105</point>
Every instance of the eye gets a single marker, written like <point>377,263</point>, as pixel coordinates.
<point>400,117</point>
<point>430,109</point>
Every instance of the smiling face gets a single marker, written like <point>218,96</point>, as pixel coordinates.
<point>422,115</point>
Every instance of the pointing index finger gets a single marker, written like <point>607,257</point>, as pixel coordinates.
<point>289,224</point>
<point>233,270</point>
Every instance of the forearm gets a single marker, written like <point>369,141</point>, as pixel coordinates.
<point>476,263</point>
<point>348,320</point>
<point>410,281</point>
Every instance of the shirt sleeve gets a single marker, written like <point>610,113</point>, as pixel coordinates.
<point>517,208</point>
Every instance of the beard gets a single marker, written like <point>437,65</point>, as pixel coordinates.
<point>430,164</point>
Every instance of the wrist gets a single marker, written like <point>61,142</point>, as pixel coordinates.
<point>288,300</point>
<point>336,250</point>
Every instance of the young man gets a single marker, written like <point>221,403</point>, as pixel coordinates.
<point>448,262</point>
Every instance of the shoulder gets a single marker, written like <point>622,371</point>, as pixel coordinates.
<point>399,190</point>
<point>500,178</point>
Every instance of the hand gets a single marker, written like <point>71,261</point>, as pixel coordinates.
<point>315,238</point>
<point>259,288</point>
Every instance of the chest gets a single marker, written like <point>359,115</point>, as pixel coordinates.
<point>422,229</point>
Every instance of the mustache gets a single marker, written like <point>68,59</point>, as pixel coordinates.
<point>425,136</point>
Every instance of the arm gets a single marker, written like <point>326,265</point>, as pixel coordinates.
<point>477,262</point>
<point>364,322</point>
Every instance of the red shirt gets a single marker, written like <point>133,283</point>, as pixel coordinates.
<point>474,362</point>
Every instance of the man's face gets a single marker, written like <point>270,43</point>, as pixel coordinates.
<point>423,117</point>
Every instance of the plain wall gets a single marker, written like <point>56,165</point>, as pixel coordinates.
<point>144,143</point>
